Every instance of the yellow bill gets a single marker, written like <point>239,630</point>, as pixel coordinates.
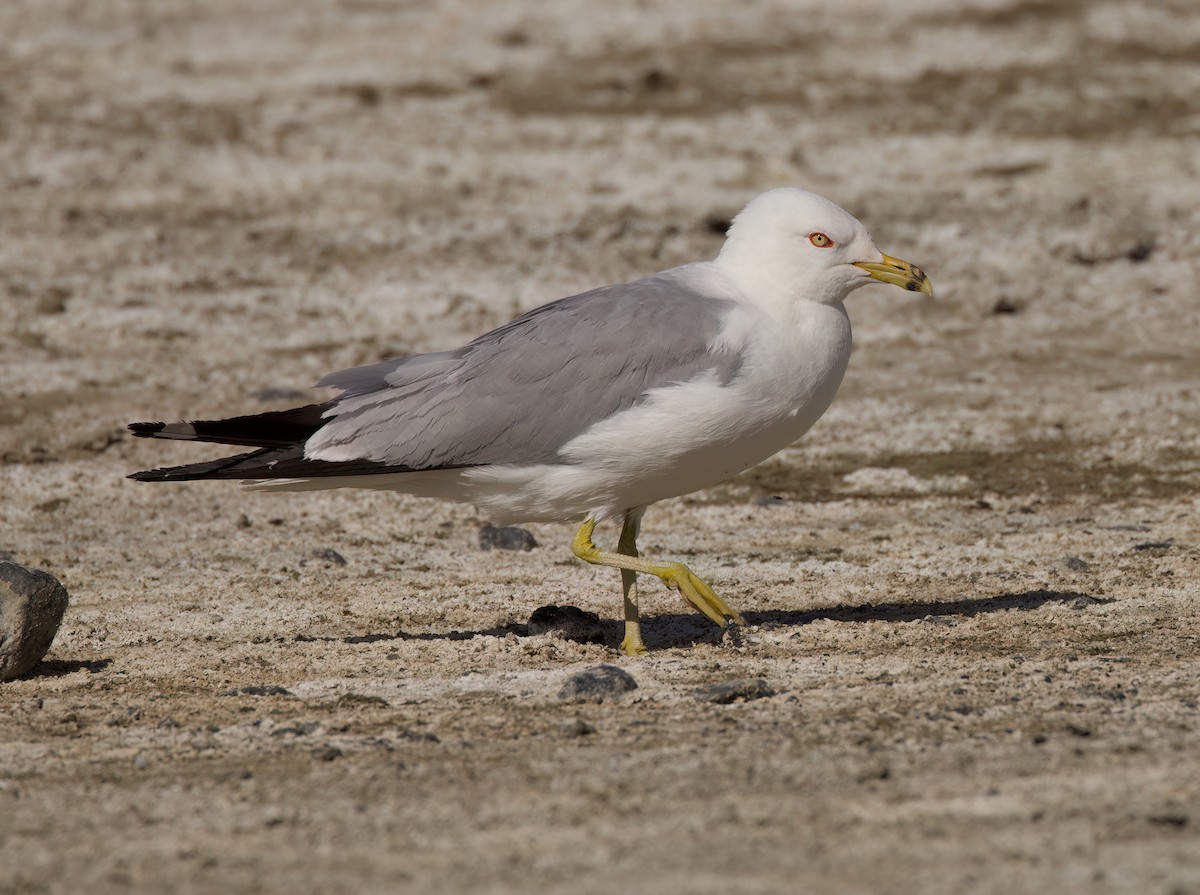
<point>898,273</point>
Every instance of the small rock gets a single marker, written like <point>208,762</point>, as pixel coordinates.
<point>326,753</point>
<point>770,500</point>
<point>1004,306</point>
<point>509,537</point>
<point>1141,250</point>
<point>32,603</point>
<point>743,690</point>
<point>258,690</point>
<point>1075,564</point>
<point>578,728</point>
<point>598,683</point>
<point>140,761</point>
<point>566,622</point>
<point>329,555</point>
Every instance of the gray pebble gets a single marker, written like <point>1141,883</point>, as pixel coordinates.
<point>1075,564</point>
<point>507,538</point>
<point>744,690</point>
<point>32,603</point>
<point>598,683</point>
<point>329,555</point>
<point>567,622</point>
<point>770,500</point>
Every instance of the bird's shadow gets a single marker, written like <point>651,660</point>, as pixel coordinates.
<point>911,612</point>
<point>684,629</point>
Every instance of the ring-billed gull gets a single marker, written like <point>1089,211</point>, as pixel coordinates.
<point>597,405</point>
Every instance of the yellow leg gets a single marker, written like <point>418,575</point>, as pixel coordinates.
<point>631,643</point>
<point>673,574</point>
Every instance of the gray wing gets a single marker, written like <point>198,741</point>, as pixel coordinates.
<point>517,394</point>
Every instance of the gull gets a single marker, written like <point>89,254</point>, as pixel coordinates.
<point>595,406</point>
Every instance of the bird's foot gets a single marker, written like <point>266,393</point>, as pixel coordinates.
<point>632,644</point>
<point>697,592</point>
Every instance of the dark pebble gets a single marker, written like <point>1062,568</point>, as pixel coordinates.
<point>329,555</point>
<point>1075,564</point>
<point>598,683</point>
<point>32,603</point>
<point>508,537</point>
<point>1141,251</point>
<point>744,690</point>
<point>326,753</point>
<point>1154,545</point>
<point>567,622</point>
<point>1004,306</point>
<point>258,690</point>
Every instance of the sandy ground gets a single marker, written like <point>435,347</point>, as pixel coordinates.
<point>975,600</point>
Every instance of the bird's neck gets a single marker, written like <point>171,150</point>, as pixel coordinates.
<point>767,285</point>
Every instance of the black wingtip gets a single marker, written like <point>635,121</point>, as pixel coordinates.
<point>146,430</point>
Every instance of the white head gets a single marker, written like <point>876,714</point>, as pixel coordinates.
<point>791,245</point>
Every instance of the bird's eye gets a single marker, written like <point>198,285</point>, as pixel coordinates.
<point>820,240</point>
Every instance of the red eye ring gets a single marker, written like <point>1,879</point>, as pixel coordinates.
<point>820,240</point>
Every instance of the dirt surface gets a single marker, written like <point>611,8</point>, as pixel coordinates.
<point>971,591</point>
